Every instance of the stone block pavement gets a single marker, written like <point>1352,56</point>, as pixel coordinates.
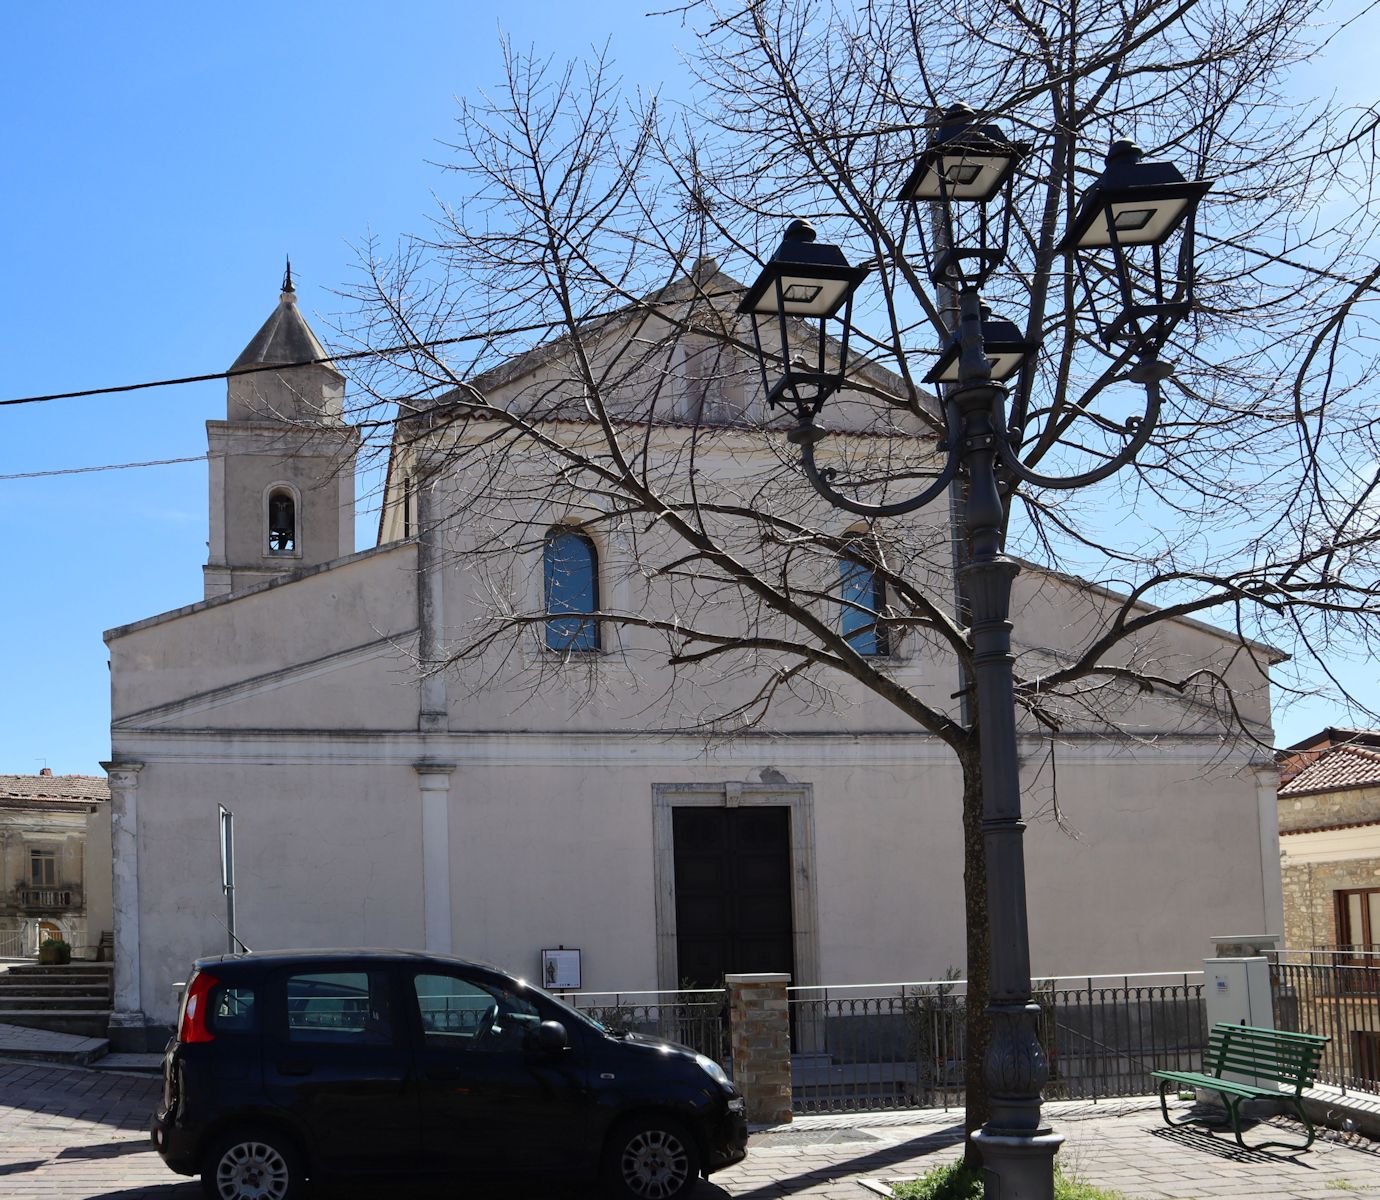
<point>69,1133</point>
<point>19,1041</point>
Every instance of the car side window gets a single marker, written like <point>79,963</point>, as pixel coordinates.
<point>464,1014</point>
<point>341,1007</point>
<point>232,1009</point>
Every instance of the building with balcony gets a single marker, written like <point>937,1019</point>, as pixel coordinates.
<point>54,861</point>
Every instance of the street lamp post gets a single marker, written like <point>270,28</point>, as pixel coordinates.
<point>1131,211</point>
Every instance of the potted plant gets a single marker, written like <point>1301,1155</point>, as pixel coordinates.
<point>54,952</point>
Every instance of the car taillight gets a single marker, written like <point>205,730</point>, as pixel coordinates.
<point>192,1027</point>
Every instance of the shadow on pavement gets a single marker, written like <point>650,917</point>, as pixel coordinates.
<point>1225,1147</point>
<point>486,1189</point>
<point>57,1090</point>
<point>20,1167</point>
<point>870,1162</point>
<point>184,1190</point>
<point>107,1149</point>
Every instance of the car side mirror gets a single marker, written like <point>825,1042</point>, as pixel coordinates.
<point>550,1037</point>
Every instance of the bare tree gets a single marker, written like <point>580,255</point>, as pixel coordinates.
<point>591,225</point>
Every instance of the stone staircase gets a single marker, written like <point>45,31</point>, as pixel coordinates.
<point>74,999</point>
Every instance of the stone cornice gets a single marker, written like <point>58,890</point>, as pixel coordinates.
<point>281,438</point>
<point>648,748</point>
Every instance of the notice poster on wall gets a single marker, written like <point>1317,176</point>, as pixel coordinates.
<point>560,969</point>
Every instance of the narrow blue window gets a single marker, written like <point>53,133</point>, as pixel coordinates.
<point>570,572</point>
<point>864,599</point>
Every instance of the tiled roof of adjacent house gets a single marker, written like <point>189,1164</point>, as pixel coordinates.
<point>54,787</point>
<point>1293,759</point>
<point>1333,828</point>
<point>1340,769</point>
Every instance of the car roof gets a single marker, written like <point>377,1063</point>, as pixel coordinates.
<point>324,957</point>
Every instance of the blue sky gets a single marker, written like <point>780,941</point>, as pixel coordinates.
<point>160,160</point>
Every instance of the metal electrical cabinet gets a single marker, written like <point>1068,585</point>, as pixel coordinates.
<point>1237,992</point>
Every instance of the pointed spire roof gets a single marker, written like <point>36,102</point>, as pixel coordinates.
<point>285,338</point>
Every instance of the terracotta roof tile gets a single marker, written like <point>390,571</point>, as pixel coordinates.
<point>1341,769</point>
<point>1329,828</point>
<point>54,787</point>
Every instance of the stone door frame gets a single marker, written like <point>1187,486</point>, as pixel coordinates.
<point>800,799</point>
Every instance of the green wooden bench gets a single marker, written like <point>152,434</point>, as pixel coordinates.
<point>1272,1055</point>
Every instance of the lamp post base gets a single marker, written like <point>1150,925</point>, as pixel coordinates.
<point>1018,1167</point>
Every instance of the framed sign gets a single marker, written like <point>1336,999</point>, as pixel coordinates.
<point>560,969</point>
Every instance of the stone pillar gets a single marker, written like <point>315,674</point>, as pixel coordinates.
<point>127,1021</point>
<point>434,781</point>
<point>761,1026</point>
<point>1271,874</point>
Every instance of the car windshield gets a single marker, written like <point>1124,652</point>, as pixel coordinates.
<point>566,1007</point>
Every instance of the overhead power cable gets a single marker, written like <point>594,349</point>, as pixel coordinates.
<point>154,462</point>
<point>346,356</point>
<point>157,383</point>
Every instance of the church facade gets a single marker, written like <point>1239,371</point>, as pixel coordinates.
<point>559,791</point>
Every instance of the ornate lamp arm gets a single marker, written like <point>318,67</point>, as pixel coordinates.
<point>806,435</point>
<point>1150,372</point>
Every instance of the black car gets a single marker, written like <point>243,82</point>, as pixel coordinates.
<point>357,1063</point>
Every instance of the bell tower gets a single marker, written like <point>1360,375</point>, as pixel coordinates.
<point>282,463</point>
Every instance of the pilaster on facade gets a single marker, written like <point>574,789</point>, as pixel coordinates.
<point>127,1018</point>
<point>434,716</point>
<point>433,782</point>
<point>1272,885</point>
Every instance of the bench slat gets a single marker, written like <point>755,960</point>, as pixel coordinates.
<point>1244,1034</point>
<point>1259,1064</point>
<point>1285,1035</point>
<point>1291,1054</point>
<point>1211,1083</point>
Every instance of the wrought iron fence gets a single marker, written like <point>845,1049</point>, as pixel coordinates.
<point>1358,954</point>
<point>698,1019</point>
<point>17,943</point>
<point>1331,993</point>
<point>902,1045</point>
<point>877,1046</point>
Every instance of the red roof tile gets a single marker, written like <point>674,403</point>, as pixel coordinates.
<point>54,787</point>
<point>1329,828</point>
<point>1341,769</point>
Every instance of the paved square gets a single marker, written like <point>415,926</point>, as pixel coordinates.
<point>79,1134</point>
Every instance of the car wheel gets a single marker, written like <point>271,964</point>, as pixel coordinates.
<point>653,1158</point>
<point>252,1164</point>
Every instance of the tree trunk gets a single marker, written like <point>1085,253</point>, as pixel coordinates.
<point>976,1023</point>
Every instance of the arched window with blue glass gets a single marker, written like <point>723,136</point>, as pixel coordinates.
<point>863,592</point>
<point>570,571</point>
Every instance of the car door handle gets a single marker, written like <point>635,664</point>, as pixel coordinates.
<point>294,1068</point>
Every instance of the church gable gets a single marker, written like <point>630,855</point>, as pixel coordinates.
<point>497,509</point>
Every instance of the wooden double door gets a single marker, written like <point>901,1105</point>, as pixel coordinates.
<point>733,892</point>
